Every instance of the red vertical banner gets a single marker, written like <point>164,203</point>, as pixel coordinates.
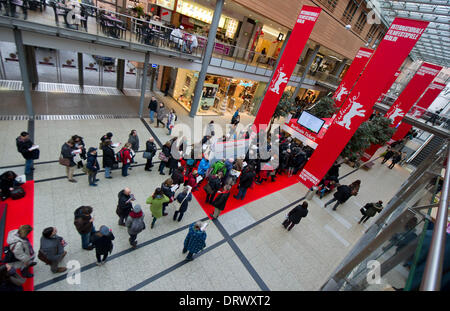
<point>390,54</point>
<point>410,94</point>
<point>292,51</point>
<point>389,84</point>
<point>419,109</point>
<point>357,66</point>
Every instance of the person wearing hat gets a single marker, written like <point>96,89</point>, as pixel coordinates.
<point>102,241</point>
<point>369,210</point>
<point>108,135</point>
<point>92,166</point>
<point>135,224</point>
<point>20,246</point>
<point>52,247</point>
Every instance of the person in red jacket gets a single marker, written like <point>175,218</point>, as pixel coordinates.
<point>125,154</point>
<point>192,180</point>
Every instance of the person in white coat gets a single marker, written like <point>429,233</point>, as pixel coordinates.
<point>22,249</point>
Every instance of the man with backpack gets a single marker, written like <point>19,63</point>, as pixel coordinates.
<point>19,252</point>
<point>124,156</point>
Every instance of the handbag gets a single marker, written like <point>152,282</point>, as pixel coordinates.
<point>17,193</point>
<point>64,161</point>
<point>163,157</point>
<point>115,166</point>
<point>147,155</point>
<point>42,257</point>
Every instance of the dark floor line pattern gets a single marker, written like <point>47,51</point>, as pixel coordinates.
<point>151,132</point>
<point>82,174</point>
<point>174,267</point>
<point>262,285</point>
<point>115,256</point>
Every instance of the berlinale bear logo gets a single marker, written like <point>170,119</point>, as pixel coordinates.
<point>280,78</point>
<point>346,118</point>
<point>341,91</point>
<point>397,112</point>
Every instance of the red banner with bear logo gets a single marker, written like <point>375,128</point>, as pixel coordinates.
<point>419,109</point>
<point>353,72</point>
<point>292,51</point>
<point>387,59</point>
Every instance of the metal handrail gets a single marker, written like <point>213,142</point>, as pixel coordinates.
<point>432,275</point>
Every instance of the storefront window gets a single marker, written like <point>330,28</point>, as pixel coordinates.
<point>183,91</point>
<point>168,4</point>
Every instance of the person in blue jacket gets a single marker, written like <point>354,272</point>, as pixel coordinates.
<point>195,240</point>
<point>203,167</point>
<point>92,166</point>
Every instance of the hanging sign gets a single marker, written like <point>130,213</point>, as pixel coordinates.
<point>390,54</point>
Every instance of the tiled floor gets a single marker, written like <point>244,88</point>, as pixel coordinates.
<point>251,251</point>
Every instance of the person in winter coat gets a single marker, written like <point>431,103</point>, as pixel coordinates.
<point>236,118</point>
<point>20,246</point>
<point>295,215</point>
<point>195,240</point>
<point>166,151</point>
<point>334,171</point>
<point>389,153</point>
<point>133,139</point>
<point>370,209</point>
<point>126,158</point>
<point>24,143</point>
<point>52,247</point>
<point>107,136</point>
<point>84,223</point>
<point>183,198</point>
<point>395,159</point>
<point>166,189</point>
<point>10,280</point>
<point>343,193</point>
<point>245,182</point>
<point>171,118</point>
<point>92,166</point>
<point>102,241</point>
<point>109,158</point>
<point>203,166</point>
<point>192,180</point>
<point>175,156</point>
<point>210,129</point>
<point>220,202</point>
<point>124,206</point>
<point>151,148</point>
<point>178,176</point>
<point>214,184</point>
<point>135,224</point>
<point>153,107</point>
<point>156,202</point>
<point>79,144</point>
<point>161,114</point>
<point>7,184</point>
<point>68,151</point>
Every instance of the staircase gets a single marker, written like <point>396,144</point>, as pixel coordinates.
<point>430,146</point>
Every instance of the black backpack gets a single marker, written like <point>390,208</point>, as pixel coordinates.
<point>8,255</point>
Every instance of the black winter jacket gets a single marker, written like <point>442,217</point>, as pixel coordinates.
<point>23,146</point>
<point>343,193</point>
<point>124,207</point>
<point>103,244</point>
<point>296,214</point>
<point>108,157</point>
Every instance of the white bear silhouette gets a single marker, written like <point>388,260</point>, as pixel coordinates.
<point>397,113</point>
<point>281,78</point>
<point>342,91</point>
<point>353,112</point>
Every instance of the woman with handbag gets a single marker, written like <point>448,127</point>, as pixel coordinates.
<point>156,202</point>
<point>221,201</point>
<point>164,156</point>
<point>369,210</point>
<point>183,198</point>
<point>102,241</point>
<point>68,152</point>
<point>150,151</point>
<point>171,118</point>
<point>79,143</point>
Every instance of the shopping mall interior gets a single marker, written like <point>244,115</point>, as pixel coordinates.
<point>215,68</point>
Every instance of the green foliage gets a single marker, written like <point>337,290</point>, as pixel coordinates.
<point>324,108</point>
<point>284,107</point>
<point>376,131</point>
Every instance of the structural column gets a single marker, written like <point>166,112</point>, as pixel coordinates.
<point>30,56</point>
<point>144,83</point>
<point>120,74</point>
<point>338,69</point>
<point>207,57</point>
<point>80,70</point>
<point>308,66</point>
<point>24,71</point>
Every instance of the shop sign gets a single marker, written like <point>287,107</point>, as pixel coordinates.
<point>419,109</point>
<point>416,86</point>
<point>389,56</point>
<point>306,136</point>
<point>294,47</point>
<point>353,72</point>
<point>222,48</point>
<point>245,84</point>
